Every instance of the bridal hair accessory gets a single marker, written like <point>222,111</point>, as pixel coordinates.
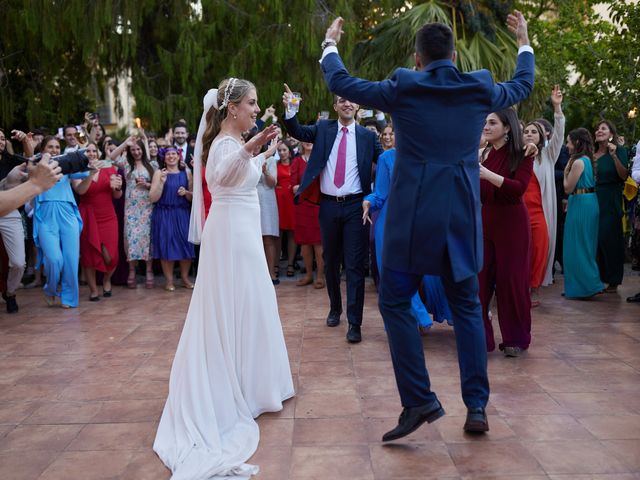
<point>227,92</point>
<point>197,204</point>
<point>210,100</point>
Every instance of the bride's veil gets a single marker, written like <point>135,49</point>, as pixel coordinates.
<point>197,204</point>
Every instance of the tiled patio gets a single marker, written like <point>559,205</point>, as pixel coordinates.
<point>81,392</point>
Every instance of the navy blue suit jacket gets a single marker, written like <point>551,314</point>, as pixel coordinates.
<point>323,136</point>
<point>433,217</point>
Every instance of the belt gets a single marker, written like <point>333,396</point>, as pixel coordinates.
<point>345,198</point>
<point>580,191</point>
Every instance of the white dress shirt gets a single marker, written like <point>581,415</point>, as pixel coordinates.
<point>351,176</point>
<point>635,170</point>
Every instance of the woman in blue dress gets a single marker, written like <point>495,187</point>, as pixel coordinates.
<point>581,275</point>
<point>171,190</point>
<point>56,234</point>
<point>435,298</point>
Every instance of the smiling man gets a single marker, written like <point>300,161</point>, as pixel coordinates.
<point>337,177</point>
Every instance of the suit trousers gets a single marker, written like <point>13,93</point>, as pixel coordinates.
<point>12,233</point>
<point>344,240</point>
<point>405,342</point>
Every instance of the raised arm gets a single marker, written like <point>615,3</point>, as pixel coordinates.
<point>557,139</point>
<point>302,133</point>
<point>228,161</point>
<point>380,95</point>
<point>520,86</point>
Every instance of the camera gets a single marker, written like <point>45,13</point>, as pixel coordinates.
<point>71,162</point>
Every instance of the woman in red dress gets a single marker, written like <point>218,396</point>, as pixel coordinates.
<point>504,176</point>
<point>307,223</point>
<point>534,133</point>
<point>99,237</point>
<point>284,197</point>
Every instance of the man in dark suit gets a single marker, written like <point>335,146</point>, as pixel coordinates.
<point>180,141</point>
<point>433,223</point>
<point>338,176</point>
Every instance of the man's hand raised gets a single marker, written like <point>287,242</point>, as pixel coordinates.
<point>334,32</point>
<point>518,26</point>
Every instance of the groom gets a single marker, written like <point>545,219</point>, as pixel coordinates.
<point>433,223</point>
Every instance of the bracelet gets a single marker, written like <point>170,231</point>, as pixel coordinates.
<point>328,42</point>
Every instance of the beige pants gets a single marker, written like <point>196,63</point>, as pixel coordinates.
<point>12,233</point>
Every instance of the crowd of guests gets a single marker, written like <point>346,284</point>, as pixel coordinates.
<point>549,200</point>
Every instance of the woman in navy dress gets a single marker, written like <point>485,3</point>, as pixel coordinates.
<point>171,193</point>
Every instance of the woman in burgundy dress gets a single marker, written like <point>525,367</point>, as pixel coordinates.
<point>307,223</point>
<point>99,236</point>
<point>284,197</point>
<point>504,176</point>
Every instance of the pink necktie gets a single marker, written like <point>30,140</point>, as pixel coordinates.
<point>341,164</point>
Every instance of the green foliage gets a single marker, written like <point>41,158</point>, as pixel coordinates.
<point>57,56</point>
<point>595,61</point>
<point>482,40</point>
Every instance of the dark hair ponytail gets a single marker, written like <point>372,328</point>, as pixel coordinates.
<point>582,147</point>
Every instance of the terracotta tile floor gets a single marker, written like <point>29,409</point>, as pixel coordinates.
<point>81,392</point>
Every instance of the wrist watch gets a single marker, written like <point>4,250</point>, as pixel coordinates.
<point>328,42</point>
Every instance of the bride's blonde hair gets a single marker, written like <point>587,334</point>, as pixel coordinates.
<point>230,90</point>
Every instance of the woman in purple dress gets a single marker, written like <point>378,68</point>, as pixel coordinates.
<point>171,190</point>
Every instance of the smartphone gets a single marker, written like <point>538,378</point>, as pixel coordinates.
<point>324,115</point>
<point>104,163</point>
<point>60,132</point>
<point>366,114</point>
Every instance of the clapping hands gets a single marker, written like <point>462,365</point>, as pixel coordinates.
<point>261,138</point>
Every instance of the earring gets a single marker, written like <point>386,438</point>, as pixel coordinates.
<point>506,137</point>
<point>235,117</point>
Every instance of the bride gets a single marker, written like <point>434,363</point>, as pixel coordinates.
<point>231,364</point>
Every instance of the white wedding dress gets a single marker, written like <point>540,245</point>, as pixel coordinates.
<point>231,364</point>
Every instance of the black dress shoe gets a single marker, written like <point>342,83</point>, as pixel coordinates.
<point>412,418</point>
<point>634,299</point>
<point>12,305</point>
<point>333,320</point>
<point>354,335</point>
<point>476,421</point>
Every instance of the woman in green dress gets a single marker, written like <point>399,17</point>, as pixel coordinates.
<point>612,171</point>
<point>581,276</point>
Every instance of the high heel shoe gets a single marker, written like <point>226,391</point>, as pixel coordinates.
<point>131,282</point>
<point>149,282</point>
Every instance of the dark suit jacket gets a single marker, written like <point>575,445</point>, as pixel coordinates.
<point>189,159</point>
<point>323,136</point>
<point>433,218</point>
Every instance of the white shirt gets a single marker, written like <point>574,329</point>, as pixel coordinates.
<point>635,170</point>
<point>351,176</point>
<point>72,149</point>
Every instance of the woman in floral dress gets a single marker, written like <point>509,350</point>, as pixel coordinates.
<point>137,208</point>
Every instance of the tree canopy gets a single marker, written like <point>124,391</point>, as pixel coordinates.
<point>57,56</point>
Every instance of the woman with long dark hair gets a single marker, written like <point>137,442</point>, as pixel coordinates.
<point>581,276</point>
<point>505,173</point>
<point>138,173</point>
<point>231,364</point>
<point>612,171</point>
